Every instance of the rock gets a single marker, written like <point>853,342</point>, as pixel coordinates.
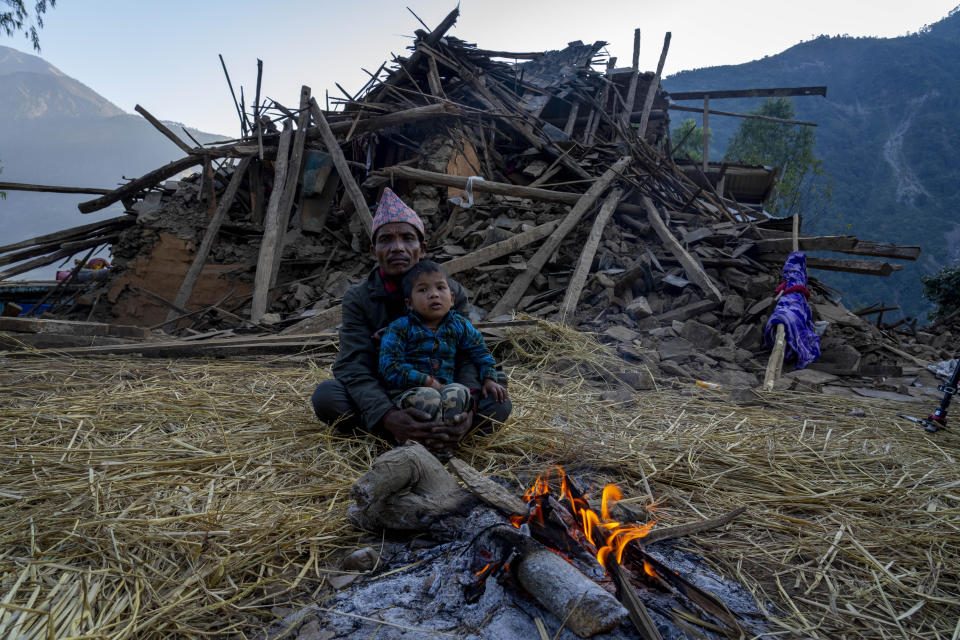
<point>674,348</point>
<point>662,332</point>
<point>702,336</point>
<point>303,294</point>
<point>343,580</point>
<point>732,306</point>
<point>361,560</point>
<point>619,395</point>
<point>811,377</point>
<point>748,335</point>
<point>673,369</point>
<point>735,379</point>
<point>270,318</point>
<point>639,380</point>
<point>639,308</point>
<point>839,355</point>
<point>621,333</point>
<point>745,397</point>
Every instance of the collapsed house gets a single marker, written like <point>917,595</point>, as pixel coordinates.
<point>547,187</point>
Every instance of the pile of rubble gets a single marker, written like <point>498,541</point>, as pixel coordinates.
<point>546,186</point>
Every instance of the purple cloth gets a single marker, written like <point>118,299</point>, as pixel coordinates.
<point>793,312</point>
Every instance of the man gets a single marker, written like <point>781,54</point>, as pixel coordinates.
<point>357,395</point>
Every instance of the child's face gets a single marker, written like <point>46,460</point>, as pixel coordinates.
<point>431,296</point>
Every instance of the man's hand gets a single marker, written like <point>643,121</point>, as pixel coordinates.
<point>491,387</point>
<point>413,424</point>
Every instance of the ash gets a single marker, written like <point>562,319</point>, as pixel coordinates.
<point>426,600</point>
<point>420,593</point>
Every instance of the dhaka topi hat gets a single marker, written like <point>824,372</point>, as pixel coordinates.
<point>392,209</point>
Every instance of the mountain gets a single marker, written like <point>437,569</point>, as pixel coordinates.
<point>56,130</point>
<point>887,134</point>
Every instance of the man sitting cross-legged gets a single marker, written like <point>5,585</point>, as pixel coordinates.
<point>356,398</point>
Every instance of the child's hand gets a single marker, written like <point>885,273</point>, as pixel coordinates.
<point>434,384</point>
<point>497,390</point>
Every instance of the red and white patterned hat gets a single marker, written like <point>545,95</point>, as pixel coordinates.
<point>392,209</point>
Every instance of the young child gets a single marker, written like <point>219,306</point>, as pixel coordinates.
<point>417,350</point>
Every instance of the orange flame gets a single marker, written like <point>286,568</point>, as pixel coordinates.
<point>648,569</point>
<point>619,534</point>
<point>482,571</point>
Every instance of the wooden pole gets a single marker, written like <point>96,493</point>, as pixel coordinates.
<point>144,182</point>
<point>634,78</point>
<point>46,188</point>
<point>193,273</point>
<point>271,230</point>
<point>293,178</point>
<point>652,89</point>
<point>706,133</point>
<point>340,162</point>
<point>162,128</point>
<point>694,271</point>
<point>775,363</point>
<point>535,264</point>
<point>579,278</point>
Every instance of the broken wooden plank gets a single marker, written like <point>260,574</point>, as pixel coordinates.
<point>884,250</point>
<point>162,128</point>
<point>56,256</point>
<point>272,233</point>
<point>65,327</point>
<point>864,267</point>
<point>496,188</point>
<point>694,271</point>
<point>809,243</point>
<point>634,78</point>
<point>652,89</point>
<point>499,249</point>
<point>751,116</point>
<point>535,264</point>
<point>582,270</point>
<point>47,188</point>
<point>340,162</point>
<point>687,311</point>
<point>144,182</point>
<point>70,234</point>
<point>293,179</point>
<point>376,123</point>
<point>196,267</point>
<point>780,92</point>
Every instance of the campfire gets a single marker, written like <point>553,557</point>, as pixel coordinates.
<point>590,568</point>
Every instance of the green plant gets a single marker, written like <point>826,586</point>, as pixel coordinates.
<point>943,289</point>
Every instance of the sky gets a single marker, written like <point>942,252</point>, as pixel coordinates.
<point>163,55</point>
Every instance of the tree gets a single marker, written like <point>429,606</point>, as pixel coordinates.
<point>943,289</point>
<point>17,19</point>
<point>689,140</point>
<point>802,184</point>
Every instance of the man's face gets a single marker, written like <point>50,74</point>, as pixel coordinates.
<point>431,296</point>
<point>397,248</point>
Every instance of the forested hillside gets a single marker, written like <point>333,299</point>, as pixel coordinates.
<point>887,133</point>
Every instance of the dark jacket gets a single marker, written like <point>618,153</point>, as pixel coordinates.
<point>367,308</point>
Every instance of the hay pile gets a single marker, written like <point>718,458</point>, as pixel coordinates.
<point>148,499</point>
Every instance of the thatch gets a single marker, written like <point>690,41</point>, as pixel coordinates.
<point>146,498</point>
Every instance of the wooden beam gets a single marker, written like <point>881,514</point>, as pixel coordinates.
<point>582,270</point>
<point>687,311</point>
<point>293,178</point>
<point>634,78</point>
<point>863,267</point>
<point>809,243</point>
<point>162,128</point>
<point>499,249</point>
<point>884,250</point>
<point>397,118</point>
<point>706,132</point>
<point>271,230</point>
<point>497,188</point>
<point>535,264</point>
<point>70,234</point>
<point>144,182</point>
<point>196,267</point>
<point>47,188</point>
<point>694,271</point>
<point>652,89</point>
<point>340,162</point>
<point>56,256</point>
<point>529,55</point>
<point>781,92</point>
<point>752,116</point>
